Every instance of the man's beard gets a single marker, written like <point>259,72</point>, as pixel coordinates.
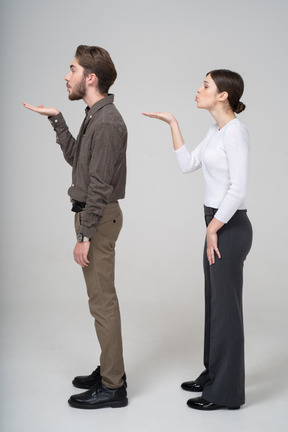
<point>78,92</point>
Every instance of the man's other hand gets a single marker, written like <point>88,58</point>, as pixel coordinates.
<point>80,253</point>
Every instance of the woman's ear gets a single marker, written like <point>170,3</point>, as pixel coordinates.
<point>223,96</point>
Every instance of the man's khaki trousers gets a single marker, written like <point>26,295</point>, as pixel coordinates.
<point>103,301</point>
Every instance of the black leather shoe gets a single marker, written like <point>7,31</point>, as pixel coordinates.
<point>100,396</point>
<point>201,404</point>
<point>191,386</point>
<point>88,381</point>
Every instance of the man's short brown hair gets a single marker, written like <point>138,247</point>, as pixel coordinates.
<point>97,60</point>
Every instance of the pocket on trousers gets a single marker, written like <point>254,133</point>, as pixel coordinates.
<point>111,228</point>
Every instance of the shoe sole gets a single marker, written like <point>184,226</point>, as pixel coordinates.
<point>193,390</point>
<point>213,409</point>
<point>112,404</point>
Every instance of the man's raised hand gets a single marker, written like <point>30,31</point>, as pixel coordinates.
<point>41,109</point>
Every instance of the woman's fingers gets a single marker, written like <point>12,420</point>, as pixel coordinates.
<point>210,256</point>
<point>218,253</point>
<point>212,247</point>
<point>166,117</point>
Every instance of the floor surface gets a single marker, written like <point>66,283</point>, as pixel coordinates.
<point>42,352</point>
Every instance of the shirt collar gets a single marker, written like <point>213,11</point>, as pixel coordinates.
<point>100,104</point>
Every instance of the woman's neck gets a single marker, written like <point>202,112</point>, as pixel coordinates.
<point>222,118</point>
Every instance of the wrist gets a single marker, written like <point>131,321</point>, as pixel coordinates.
<point>214,226</point>
<point>173,122</point>
<point>210,230</point>
<point>81,238</point>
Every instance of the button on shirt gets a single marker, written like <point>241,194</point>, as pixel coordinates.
<point>98,158</point>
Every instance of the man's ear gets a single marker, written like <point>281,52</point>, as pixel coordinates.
<point>92,80</point>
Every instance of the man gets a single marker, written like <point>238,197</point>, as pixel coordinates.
<point>98,158</point>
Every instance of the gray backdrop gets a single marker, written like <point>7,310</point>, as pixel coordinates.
<point>162,51</point>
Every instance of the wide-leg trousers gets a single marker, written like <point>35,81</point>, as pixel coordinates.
<point>103,302</point>
<point>224,376</point>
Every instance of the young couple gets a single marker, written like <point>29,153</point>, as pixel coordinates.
<point>98,160</point>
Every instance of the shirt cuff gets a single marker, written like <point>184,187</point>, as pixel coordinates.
<point>89,232</point>
<point>57,120</point>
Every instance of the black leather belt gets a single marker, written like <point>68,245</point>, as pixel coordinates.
<point>78,206</point>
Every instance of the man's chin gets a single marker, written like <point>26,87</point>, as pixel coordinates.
<point>74,97</point>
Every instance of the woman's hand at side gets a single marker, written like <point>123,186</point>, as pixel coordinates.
<point>212,240</point>
<point>212,247</point>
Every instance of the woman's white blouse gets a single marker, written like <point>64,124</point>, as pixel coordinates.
<point>223,156</point>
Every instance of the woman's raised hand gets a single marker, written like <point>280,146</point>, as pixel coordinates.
<point>171,120</point>
<point>41,109</point>
<point>166,117</point>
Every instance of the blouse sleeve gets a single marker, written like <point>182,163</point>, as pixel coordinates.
<point>191,161</point>
<point>236,143</point>
<point>188,161</point>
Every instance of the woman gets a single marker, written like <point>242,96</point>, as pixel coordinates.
<point>223,155</point>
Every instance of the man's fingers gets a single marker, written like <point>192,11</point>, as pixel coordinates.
<point>82,260</point>
<point>85,260</point>
<point>32,107</point>
<point>80,254</point>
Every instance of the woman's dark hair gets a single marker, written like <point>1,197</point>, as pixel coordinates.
<point>233,84</point>
<point>98,61</point>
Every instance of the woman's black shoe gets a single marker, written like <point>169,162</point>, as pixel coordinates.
<point>201,404</point>
<point>191,386</point>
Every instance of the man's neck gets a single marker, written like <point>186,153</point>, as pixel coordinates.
<point>91,99</point>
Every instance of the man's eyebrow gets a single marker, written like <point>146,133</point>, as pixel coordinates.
<point>72,66</point>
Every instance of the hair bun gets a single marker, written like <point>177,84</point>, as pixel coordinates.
<point>240,107</point>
